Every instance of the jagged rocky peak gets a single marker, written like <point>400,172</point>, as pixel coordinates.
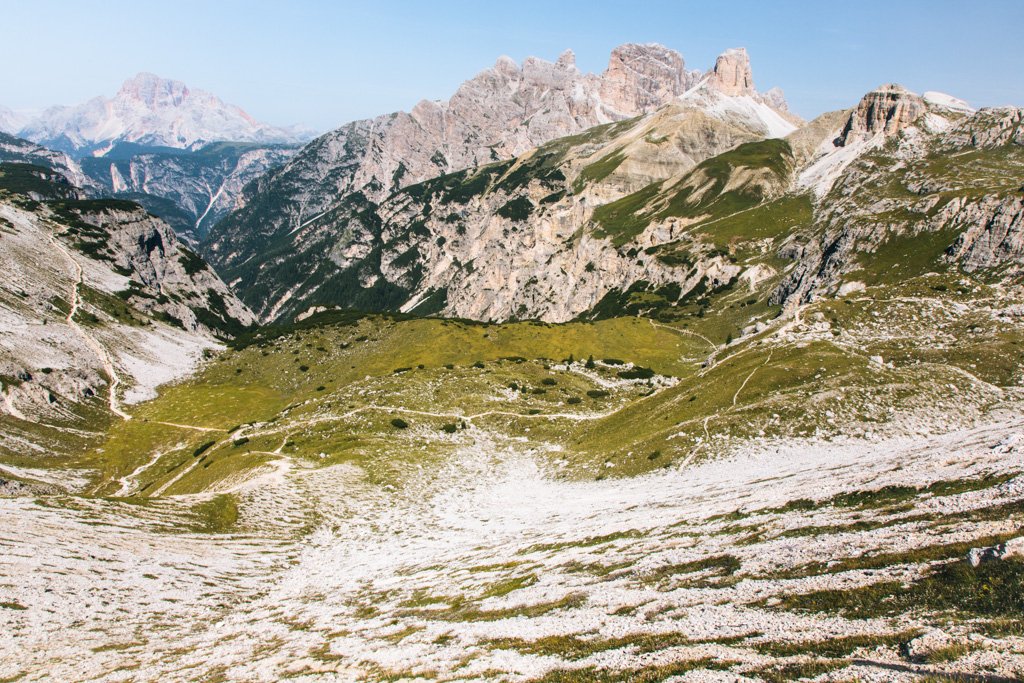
<point>534,72</point>
<point>640,77</point>
<point>150,110</point>
<point>774,97</point>
<point>154,91</point>
<point>732,75</point>
<point>887,110</point>
<point>566,60</point>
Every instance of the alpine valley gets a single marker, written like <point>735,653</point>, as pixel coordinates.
<point>627,376</point>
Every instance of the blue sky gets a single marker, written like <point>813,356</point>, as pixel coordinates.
<point>325,63</point>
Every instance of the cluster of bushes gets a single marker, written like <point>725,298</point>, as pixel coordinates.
<point>636,373</point>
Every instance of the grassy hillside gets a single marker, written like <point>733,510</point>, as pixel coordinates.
<point>388,394</point>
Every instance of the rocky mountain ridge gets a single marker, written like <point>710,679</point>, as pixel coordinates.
<point>100,303</point>
<point>191,190</point>
<point>503,111</point>
<point>672,208</point>
<point>153,111</point>
<point>183,153</point>
<point>18,150</point>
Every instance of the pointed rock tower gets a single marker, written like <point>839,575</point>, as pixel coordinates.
<point>732,75</point>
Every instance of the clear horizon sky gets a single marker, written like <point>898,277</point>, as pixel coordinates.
<point>322,63</point>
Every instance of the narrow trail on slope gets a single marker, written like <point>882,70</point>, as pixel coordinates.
<point>129,481</point>
<point>194,427</point>
<point>292,426</point>
<point>175,479</point>
<point>719,413</point>
<point>96,346</point>
<point>272,472</point>
<point>752,372</point>
<point>690,332</point>
<point>772,331</point>
<point>726,217</point>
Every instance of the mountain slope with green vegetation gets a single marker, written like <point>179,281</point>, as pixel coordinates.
<point>475,498</point>
<point>769,427</point>
<point>99,305</point>
<point>631,217</point>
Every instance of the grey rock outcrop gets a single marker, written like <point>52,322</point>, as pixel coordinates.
<point>978,556</point>
<point>643,77</point>
<point>989,128</point>
<point>732,74</point>
<point>991,231</point>
<point>887,110</point>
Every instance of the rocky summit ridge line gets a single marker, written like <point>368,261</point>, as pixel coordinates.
<point>148,110</point>
<point>502,112</point>
<point>183,153</point>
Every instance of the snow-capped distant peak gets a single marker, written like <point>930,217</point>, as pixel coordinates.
<point>941,99</point>
<point>151,110</point>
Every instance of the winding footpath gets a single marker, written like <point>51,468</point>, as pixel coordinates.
<point>97,348</point>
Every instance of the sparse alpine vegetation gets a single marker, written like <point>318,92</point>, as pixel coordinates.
<point>685,388</point>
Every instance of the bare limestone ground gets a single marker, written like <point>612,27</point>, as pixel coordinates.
<point>488,566</point>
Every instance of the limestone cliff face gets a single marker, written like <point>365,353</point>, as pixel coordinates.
<point>640,78</point>
<point>502,112</point>
<point>991,231</point>
<point>732,74</point>
<point>906,169</point>
<point>887,110</point>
